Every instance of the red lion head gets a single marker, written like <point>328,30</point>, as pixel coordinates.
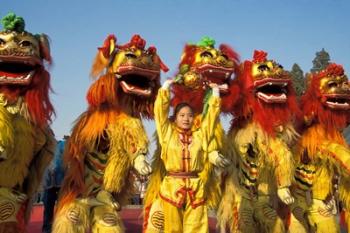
<point>202,64</point>
<point>131,76</point>
<point>266,93</point>
<point>22,68</point>
<point>327,98</point>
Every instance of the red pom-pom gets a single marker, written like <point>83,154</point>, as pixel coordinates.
<point>259,56</point>
<point>152,50</point>
<point>332,70</point>
<point>138,42</point>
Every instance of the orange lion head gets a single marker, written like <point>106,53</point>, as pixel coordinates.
<point>22,70</point>
<point>130,78</point>
<point>267,94</point>
<point>201,64</point>
<point>327,98</point>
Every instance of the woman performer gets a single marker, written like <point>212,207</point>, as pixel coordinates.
<point>185,150</point>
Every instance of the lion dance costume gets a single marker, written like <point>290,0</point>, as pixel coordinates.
<point>26,141</point>
<point>109,139</point>
<point>258,142</point>
<point>322,155</point>
<point>200,64</point>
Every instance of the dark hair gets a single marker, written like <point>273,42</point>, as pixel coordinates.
<point>178,107</point>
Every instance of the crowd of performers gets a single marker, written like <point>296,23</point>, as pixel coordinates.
<point>282,166</point>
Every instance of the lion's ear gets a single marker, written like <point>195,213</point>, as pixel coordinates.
<point>103,55</point>
<point>44,45</point>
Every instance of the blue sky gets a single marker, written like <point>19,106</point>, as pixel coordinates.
<point>291,31</point>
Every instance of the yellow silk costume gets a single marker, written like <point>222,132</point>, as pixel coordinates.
<point>258,142</point>
<point>316,183</point>
<point>200,64</point>
<point>322,155</point>
<point>184,152</point>
<point>262,165</point>
<point>105,173</point>
<point>29,149</point>
<point>109,143</point>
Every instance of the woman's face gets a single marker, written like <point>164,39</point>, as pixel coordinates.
<point>184,118</point>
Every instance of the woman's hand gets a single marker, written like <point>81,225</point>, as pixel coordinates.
<point>213,85</point>
<point>167,83</point>
<point>215,88</point>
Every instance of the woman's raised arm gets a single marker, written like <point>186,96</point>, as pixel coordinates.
<point>161,110</point>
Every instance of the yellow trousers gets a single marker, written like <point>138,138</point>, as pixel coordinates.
<point>258,216</point>
<point>12,209</point>
<point>312,218</point>
<point>79,217</point>
<point>186,219</point>
<point>155,220</point>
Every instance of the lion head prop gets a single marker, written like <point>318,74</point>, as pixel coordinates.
<point>201,64</point>
<point>22,68</point>
<point>130,78</point>
<point>266,92</point>
<point>327,98</point>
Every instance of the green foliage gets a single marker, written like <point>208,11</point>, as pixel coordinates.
<point>321,61</point>
<point>298,79</point>
<point>13,22</point>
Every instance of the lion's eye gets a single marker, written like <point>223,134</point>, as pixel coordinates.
<point>2,42</point>
<point>224,56</point>
<point>263,67</point>
<point>25,43</point>
<point>207,54</point>
<point>130,55</point>
<point>332,84</point>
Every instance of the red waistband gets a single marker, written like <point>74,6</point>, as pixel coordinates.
<point>183,174</point>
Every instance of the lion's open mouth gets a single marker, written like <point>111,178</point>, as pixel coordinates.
<point>136,80</point>
<point>271,90</point>
<point>216,74</point>
<point>338,101</point>
<point>18,72</point>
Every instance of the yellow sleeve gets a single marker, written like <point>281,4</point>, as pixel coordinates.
<point>344,194</point>
<point>161,110</point>
<point>209,123</point>
<point>42,159</point>
<point>339,155</point>
<point>127,140</point>
<point>216,144</point>
<point>7,135</point>
<point>283,162</point>
<point>136,140</point>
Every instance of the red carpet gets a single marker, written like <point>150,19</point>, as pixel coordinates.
<point>132,219</point>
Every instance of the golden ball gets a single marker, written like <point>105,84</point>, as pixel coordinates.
<point>192,80</point>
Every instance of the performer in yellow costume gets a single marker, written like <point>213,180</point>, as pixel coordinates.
<point>26,141</point>
<point>185,151</point>
<point>322,155</point>
<point>259,144</point>
<point>201,63</point>
<point>109,140</point>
